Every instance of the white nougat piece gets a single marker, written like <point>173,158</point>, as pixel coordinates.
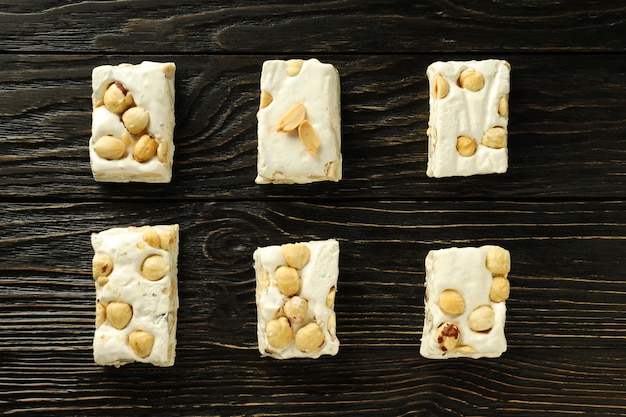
<point>295,298</point>
<point>309,149</point>
<point>469,113</point>
<point>135,270</point>
<point>132,134</point>
<point>465,309</point>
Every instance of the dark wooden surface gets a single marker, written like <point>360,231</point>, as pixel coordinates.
<point>560,209</point>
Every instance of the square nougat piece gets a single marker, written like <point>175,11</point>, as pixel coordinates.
<point>469,114</point>
<point>295,299</point>
<point>466,290</point>
<point>299,123</point>
<point>135,271</point>
<point>133,122</point>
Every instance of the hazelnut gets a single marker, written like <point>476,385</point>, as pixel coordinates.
<point>109,147</point>
<point>447,336</point>
<point>441,87</point>
<point>101,314</point>
<point>451,303</point>
<point>296,254</point>
<point>294,66</point>
<point>287,280</point>
<point>331,324</point>
<point>471,80</point>
<point>278,332</point>
<point>136,120</point>
<point>167,239</point>
<point>498,261</point>
<point>119,314</point>
<point>310,338</point>
<point>330,298</point>
<point>117,99</point>
<point>296,308</point>
<point>465,349</point>
<point>127,138</point>
<point>482,319</point>
<point>162,152</point>
<point>494,138</point>
<point>500,289</point>
<point>154,267</point>
<point>141,343</point>
<point>145,148</point>
<point>266,99</point>
<point>466,146</point>
<point>101,266</point>
<point>503,106</point>
<point>151,238</point>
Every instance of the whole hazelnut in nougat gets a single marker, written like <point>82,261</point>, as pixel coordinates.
<point>469,117</point>
<point>132,131</point>
<point>136,280</point>
<point>296,284</point>
<point>466,290</point>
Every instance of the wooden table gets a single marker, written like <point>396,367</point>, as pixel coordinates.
<point>559,209</point>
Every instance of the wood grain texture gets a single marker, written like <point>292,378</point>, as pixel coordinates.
<point>566,309</point>
<point>380,382</point>
<point>563,253</point>
<point>560,125</point>
<point>560,209</point>
<point>328,26</point>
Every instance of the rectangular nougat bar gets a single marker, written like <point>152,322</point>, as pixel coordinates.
<point>133,122</point>
<point>465,309</point>
<point>299,123</point>
<point>295,299</point>
<point>135,270</point>
<point>469,114</point>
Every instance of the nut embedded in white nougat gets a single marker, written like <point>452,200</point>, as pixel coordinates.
<point>461,317</point>
<point>469,115</point>
<point>131,102</point>
<point>136,277</point>
<point>299,123</point>
<point>301,323</point>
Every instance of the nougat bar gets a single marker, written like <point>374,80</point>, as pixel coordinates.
<point>469,114</point>
<point>133,122</point>
<point>295,298</point>
<point>135,273</point>
<point>466,290</point>
<point>299,123</point>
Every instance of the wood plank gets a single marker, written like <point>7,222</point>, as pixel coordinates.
<point>560,209</point>
<point>368,382</point>
<point>565,310</point>
<point>564,260</point>
<point>566,131</point>
<point>167,26</point>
